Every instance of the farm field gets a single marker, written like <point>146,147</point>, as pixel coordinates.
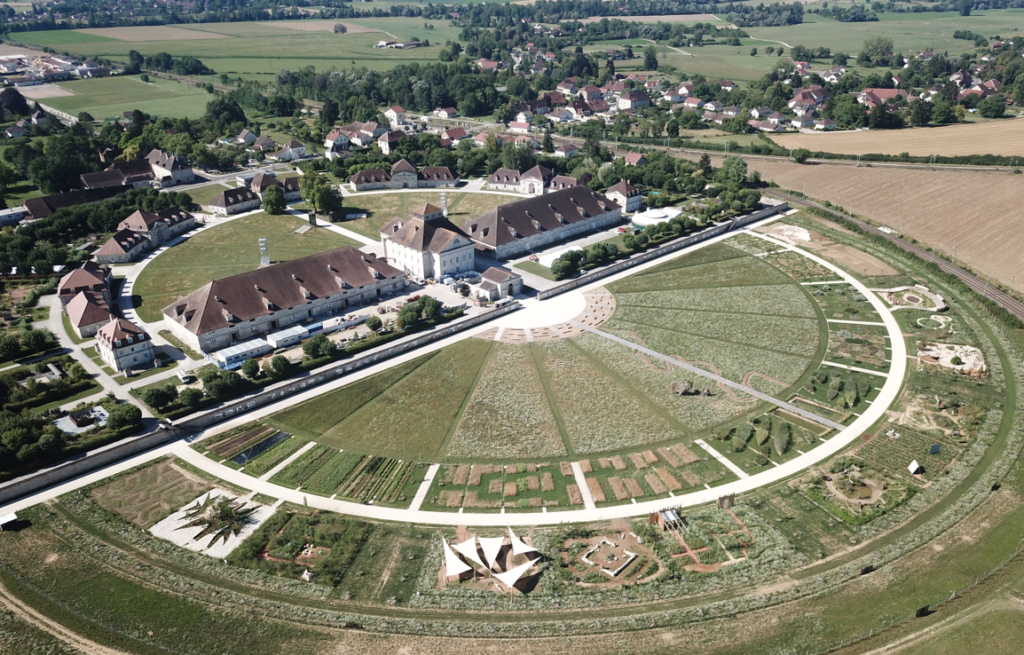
<point>997,137</point>
<point>255,50</point>
<point>382,207</point>
<point>108,97</point>
<point>221,251</point>
<point>924,205</point>
<point>909,31</point>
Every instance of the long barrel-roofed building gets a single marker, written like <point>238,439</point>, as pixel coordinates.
<point>245,306</point>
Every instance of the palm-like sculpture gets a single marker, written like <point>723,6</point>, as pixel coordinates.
<point>222,517</point>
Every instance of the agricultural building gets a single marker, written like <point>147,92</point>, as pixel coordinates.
<point>242,307</point>
<point>531,224</point>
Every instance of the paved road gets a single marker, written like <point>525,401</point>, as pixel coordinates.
<point>847,435</point>
<point>976,284</point>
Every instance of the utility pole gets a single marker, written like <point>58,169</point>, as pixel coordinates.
<point>954,253</point>
<point>1012,280</point>
<point>986,286</point>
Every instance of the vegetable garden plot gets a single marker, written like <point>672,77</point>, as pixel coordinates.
<point>844,301</point>
<point>334,471</point>
<point>306,465</point>
<point>231,446</point>
<point>267,454</point>
<point>840,390</point>
<point>380,479</point>
<point>892,454</point>
<point>508,415</point>
<point>858,345</point>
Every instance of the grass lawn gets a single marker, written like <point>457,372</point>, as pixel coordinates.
<point>204,194</point>
<point>176,342</point>
<point>70,331</point>
<point>108,97</point>
<point>382,207</point>
<point>222,251</point>
<point>404,412</point>
<point>536,268</point>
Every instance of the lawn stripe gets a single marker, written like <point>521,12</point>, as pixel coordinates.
<point>570,450</point>
<point>621,382</point>
<point>698,309</point>
<point>465,401</point>
<point>717,339</point>
<point>376,398</point>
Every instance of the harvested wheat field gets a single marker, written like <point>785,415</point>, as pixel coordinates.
<point>321,26</point>
<point>151,33</point>
<point>1001,137</point>
<point>943,209</point>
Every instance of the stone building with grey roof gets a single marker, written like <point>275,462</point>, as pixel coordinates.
<point>249,305</point>
<point>427,245</point>
<point>534,223</point>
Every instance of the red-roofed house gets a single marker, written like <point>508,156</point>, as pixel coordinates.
<point>395,115</point>
<point>634,159</point>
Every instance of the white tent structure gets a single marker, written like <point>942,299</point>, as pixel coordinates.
<point>509,578</point>
<point>452,564</point>
<point>468,549</point>
<point>491,547</point>
<point>518,545</point>
<point>656,215</point>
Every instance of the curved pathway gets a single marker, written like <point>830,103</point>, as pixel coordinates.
<point>183,449</point>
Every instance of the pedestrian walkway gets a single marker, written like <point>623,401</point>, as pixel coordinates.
<point>421,493</point>
<point>722,459</point>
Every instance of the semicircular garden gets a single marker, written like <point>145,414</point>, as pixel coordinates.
<point>700,371</point>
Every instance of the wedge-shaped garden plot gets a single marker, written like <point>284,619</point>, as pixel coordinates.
<point>508,415</point>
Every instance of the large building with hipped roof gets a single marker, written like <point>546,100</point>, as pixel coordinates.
<point>403,175</point>
<point>143,231</point>
<point>534,223</point>
<point>242,307</point>
<point>427,245</point>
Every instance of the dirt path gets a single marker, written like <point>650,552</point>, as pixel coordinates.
<point>34,618</point>
<point>386,575</point>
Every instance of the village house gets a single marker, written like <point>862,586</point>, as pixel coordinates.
<point>566,150</point>
<point>289,152</point>
<point>531,224</point>
<point>387,142</point>
<point>242,307</point>
<point>123,345</point>
<point>875,97</point>
<point>427,245</point>
<point>634,100</point>
<point>446,112</point>
<point>337,136</point>
<point>395,115</point>
<point>634,159</point>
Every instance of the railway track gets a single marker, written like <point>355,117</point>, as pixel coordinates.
<point>978,285</point>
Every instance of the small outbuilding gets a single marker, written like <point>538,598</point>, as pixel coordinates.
<point>8,521</point>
